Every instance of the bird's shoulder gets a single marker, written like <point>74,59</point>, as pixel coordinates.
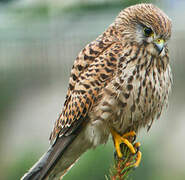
<point>93,69</point>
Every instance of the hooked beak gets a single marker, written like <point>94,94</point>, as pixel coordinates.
<point>159,43</point>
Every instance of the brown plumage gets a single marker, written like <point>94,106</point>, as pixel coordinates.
<point>120,81</point>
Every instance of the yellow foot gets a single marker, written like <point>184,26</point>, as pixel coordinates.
<point>129,135</point>
<point>123,139</point>
<point>138,155</point>
<point>138,160</point>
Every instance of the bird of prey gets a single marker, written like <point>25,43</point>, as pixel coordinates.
<point>119,83</point>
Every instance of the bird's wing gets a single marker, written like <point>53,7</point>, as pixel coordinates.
<point>92,70</point>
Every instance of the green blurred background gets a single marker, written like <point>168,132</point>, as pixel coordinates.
<point>39,40</point>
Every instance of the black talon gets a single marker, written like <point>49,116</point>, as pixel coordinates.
<point>123,147</point>
<point>134,138</point>
<point>137,149</point>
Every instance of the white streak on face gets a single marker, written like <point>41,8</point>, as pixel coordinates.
<point>139,34</point>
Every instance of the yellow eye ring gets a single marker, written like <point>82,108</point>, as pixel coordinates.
<point>148,32</point>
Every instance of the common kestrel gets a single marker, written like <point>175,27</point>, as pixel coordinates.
<point>119,83</point>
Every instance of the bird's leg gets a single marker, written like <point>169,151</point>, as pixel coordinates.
<point>125,138</point>
<point>122,139</point>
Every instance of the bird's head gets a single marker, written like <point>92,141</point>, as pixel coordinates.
<point>144,24</point>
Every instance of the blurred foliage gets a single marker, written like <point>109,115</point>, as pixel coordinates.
<point>6,1</point>
<point>36,11</point>
<point>103,5</point>
<point>12,81</point>
<point>22,163</point>
<point>43,10</point>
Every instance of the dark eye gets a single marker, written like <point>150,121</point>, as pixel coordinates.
<point>148,32</point>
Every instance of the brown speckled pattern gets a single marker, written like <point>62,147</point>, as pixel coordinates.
<point>118,78</point>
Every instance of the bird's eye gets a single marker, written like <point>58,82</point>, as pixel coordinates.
<point>148,32</point>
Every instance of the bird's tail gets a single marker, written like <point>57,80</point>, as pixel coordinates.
<point>56,161</point>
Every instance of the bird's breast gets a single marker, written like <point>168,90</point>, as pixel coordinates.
<point>134,99</point>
